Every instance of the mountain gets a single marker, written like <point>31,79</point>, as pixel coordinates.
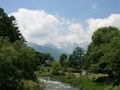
<point>57,49</point>
<point>44,49</point>
<point>67,46</point>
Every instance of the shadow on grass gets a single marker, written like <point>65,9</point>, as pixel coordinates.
<point>102,80</point>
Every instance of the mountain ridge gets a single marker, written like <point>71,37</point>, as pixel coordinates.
<point>57,49</point>
<point>44,49</point>
<point>67,46</point>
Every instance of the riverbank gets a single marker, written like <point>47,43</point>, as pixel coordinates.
<point>30,85</point>
<point>82,82</point>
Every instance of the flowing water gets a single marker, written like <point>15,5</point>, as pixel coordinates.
<point>55,85</point>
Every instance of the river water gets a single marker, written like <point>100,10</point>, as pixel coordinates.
<point>55,85</point>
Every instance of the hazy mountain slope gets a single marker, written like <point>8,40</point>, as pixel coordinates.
<point>44,49</point>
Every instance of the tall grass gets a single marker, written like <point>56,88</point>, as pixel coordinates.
<point>83,82</point>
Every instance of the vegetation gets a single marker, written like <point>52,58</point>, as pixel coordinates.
<point>104,52</point>
<point>17,61</point>
<point>63,59</point>
<point>9,28</point>
<point>83,82</point>
<point>42,58</point>
<point>102,56</point>
<point>76,59</point>
<point>78,55</point>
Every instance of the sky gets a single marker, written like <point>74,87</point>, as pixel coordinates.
<point>54,21</point>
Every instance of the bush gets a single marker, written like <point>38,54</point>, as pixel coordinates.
<point>30,85</point>
<point>55,68</point>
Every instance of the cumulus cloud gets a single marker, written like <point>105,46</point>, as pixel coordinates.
<point>40,27</point>
<point>93,24</point>
<point>94,6</point>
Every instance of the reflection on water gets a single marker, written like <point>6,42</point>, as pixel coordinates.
<point>55,85</point>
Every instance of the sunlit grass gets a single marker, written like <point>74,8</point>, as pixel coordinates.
<point>30,85</point>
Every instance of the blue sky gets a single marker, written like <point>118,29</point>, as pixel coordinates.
<point>72,17</point>
<point>68,8</point>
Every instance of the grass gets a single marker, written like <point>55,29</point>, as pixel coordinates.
<point>30,85</point>
<point>83,82</point>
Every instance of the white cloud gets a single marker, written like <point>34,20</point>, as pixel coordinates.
<point>94,6</point>
<point>40,27</point>
<point>93,24</point>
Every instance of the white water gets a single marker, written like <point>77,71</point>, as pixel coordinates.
<point>55,85</point>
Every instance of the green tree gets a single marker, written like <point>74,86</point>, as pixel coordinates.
<point>63,59</point>
<point>78,56</point>
<point>42,57</point>
<point>9,28</point>
<point>56,67</point>
<point>17,62</point>
<point>48,57</point>
<point>71,62</point>
<point>104,51</point>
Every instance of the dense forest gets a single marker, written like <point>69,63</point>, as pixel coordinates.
<point>20,63</point>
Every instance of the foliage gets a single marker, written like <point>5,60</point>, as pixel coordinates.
<point>17,62</point>
<point>112,88</point>
<point>42,57</point>
<point>63,59</point>
<point>71,62</point>
<point>9,28</point>
<point>70,74</point>
<point>56,67</point>
<point>94,67</point>
<point>104,51</point>
<point>30,85</point>
<point>77,56</point>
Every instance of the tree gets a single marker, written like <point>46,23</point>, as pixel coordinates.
<point>56,67</point>
<point>63,59</point>
<point>17,62</point>
<point>104,51</point>
<point>43,57</point>
<point>71,62</point>
<point>9,28</point>
<point>48,57</point>
<point>78,55</point>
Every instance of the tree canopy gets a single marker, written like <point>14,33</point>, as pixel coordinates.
<point>104,51</point>
<point>17,62</point>
<point>9,28</point>
<point>63,59</point>
<point>76,58</point>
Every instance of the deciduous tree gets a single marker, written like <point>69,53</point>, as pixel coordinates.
<point>63,59</point>
<point>104,50</point>
<point>78,55</point>
<point>17,62</point>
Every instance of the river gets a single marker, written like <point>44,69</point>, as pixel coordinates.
<point>55,85</point>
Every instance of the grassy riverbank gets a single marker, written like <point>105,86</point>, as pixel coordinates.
<point>83,82</point>
<point>30,85</point>
<point>87,82</point>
